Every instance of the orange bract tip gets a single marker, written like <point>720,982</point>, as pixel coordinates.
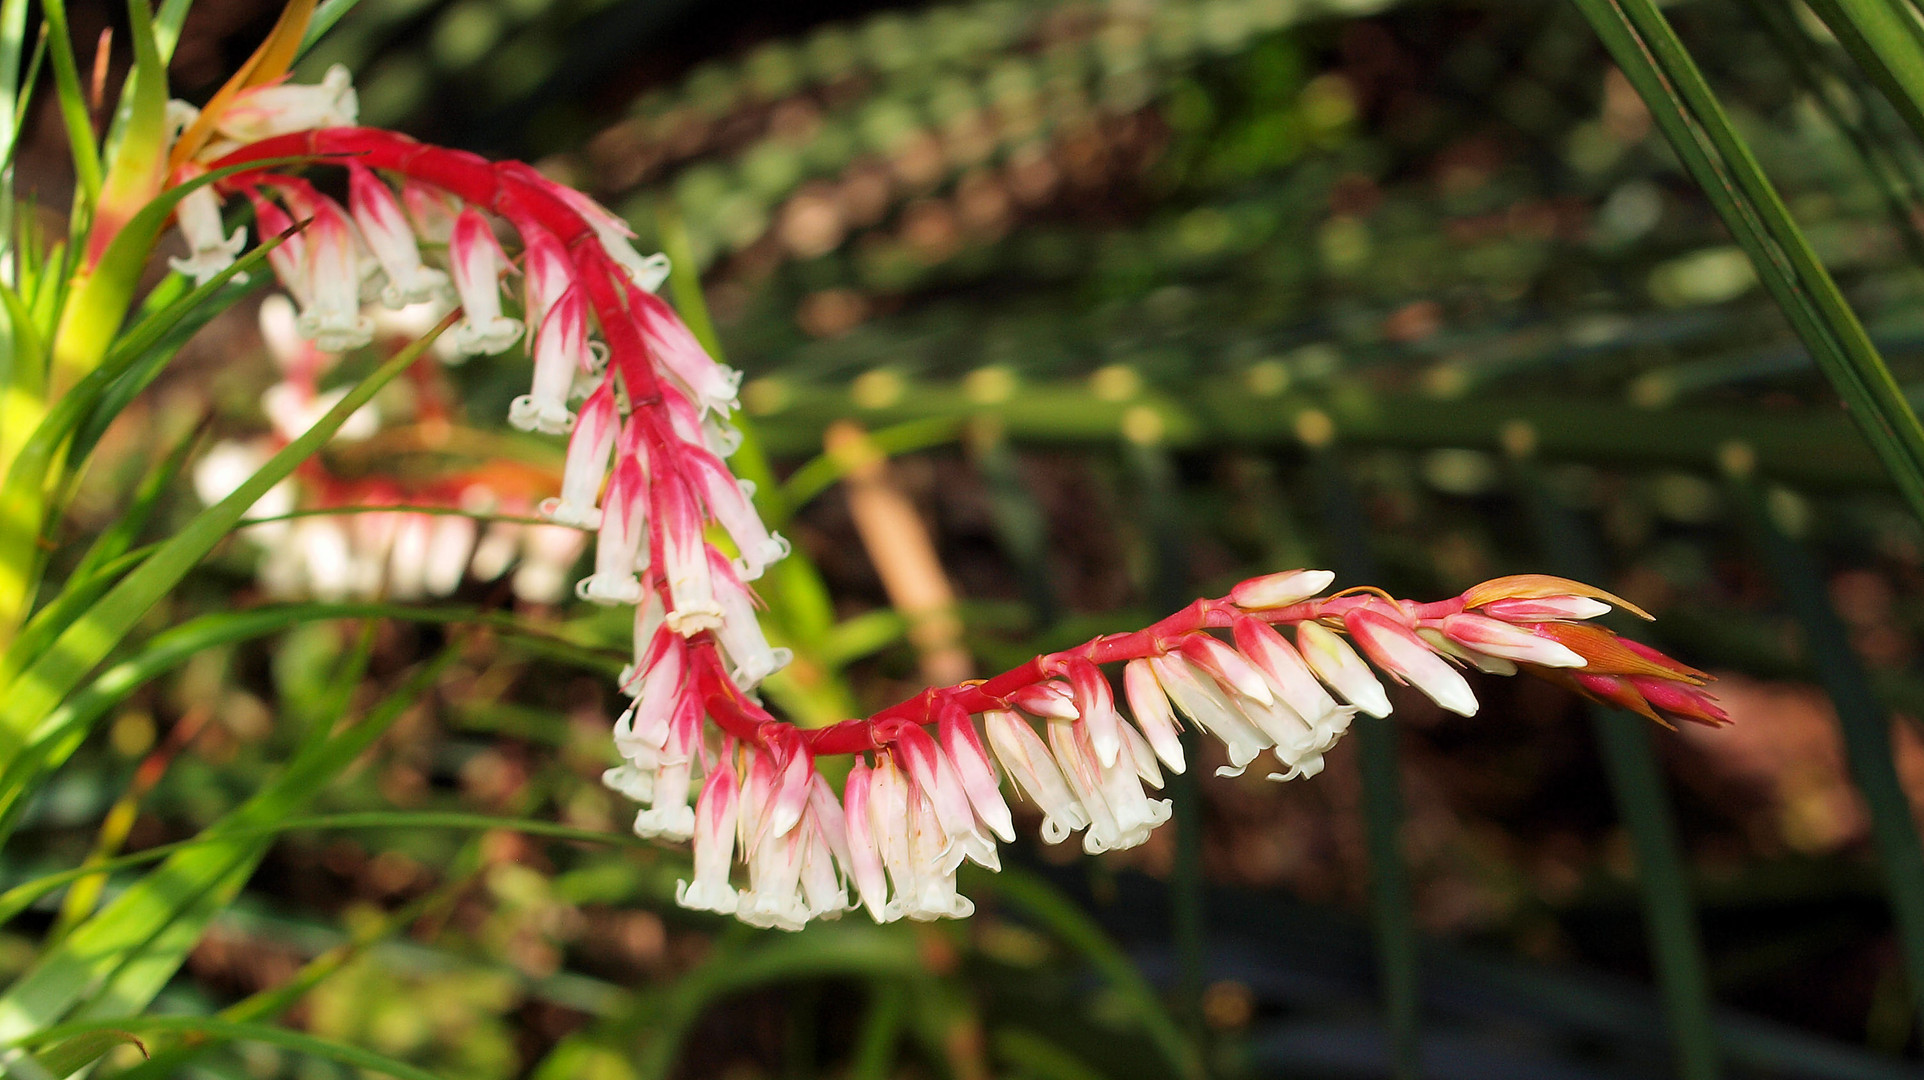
<point>1537,586</point>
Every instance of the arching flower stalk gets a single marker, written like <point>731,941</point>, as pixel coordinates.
<point>1273,668</point>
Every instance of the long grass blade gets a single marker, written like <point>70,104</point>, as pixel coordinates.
<point>1861,717</point>
<point>1681,102</point>
<point>207,1028</point>
<point>1637,786</point>
<point>1875,34</point>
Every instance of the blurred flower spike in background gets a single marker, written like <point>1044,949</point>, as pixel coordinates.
<point>645,471</point>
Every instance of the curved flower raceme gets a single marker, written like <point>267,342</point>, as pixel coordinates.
<point>1274,671</point>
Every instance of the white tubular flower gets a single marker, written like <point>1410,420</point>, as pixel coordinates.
<point>1338,666</point>
<point>684,559</point>
<point>614,235</point>
<point>266,111</point>
<point>934,776</point>
<point>1053,700</point>
<point>1408,658</point>
<point>478,263</point>
<point>547,273</point>
<point>710,385</point>
<point>1084,775</point>
<point>715,814</point>
<point>1295,684</point>
<point>743,644</point>
<point>670,817</point>
<point>289,257</point>
<point>1096,707</point>
<point>325,558</point>
<point>1280,590</point>
<point>448,551</point>
<point>932,895</point>
<point>562,351</point>
<point>332,317</point>
<point>390,236</point>
<point>774,896</point>
<point>1153,715</point>
<point>728,502</point>
<point>547,554</point>
<point>1235,674</point>
<point>631,781</point>
<point>823,894</point>
<point>589,449</point>
<point>431,210</point>
<point>210,251</point>
<point>618,544</point>
<point>955,731</point>
<point>1137,815</point>
<point>1492,637</point>
<point>407,562</point>
<point>864,848</point>
<point>658,692</point>
<point>1027,760</point>
<point>888,814</point>
<point>1206,706</point>
<point>293,409</point>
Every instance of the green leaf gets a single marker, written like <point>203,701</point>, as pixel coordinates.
<point>1657,65</point>
<point>84,1049</point>
<point>1073,927</point>
<point>119,537</point>
<point>74,114</point>
<point>209,1028</point>
<point>116,961</point>
<point>1876,35</point>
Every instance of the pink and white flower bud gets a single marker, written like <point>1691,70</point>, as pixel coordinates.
<point>1340,669</point>
<point>1143,756</point>
<point>1137,815</point>
<point>624,527</point>
<point>589,449</point>
<point>684,558</point>
<point>1500,639</point>
<point>728,502</point>
<point>263,112</point>
<point>758,787</point>
<point>547,273</point>
<point>715,814</point>
<point>932,895</point>
<point>431,210</point>
<point>865,851</point>
<point>792,788</point>
<point>823,894</point>
<point>1032,767</point>
<point>827,811</point>
<point>774,896</point>
<point>1083,773</point>
<point>712,386</point>
<point>332,317</point>
<point>1545,609</point>
<point>932,774</point>
<point>1280,590</point>
<point>889,794</point>
<point>1204,703</point>
<point>614,235</point>
<point>209,249</point>
<point>390,236</point>
<point>1153,715</point>
<point>1096,707</point>
<point>289,257</point>
<point>1050,699</point>
<point>743,643</point>
<point>660,688</point>
<point>1397,650</point>
<point>670,817</point>
<point>478,263</point>
<point>955,731</point>
<point>1227,667</point>
<point>1295,684</point>
<point>562,352</point>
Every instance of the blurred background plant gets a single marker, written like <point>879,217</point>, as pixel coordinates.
<point>1055,315</point>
